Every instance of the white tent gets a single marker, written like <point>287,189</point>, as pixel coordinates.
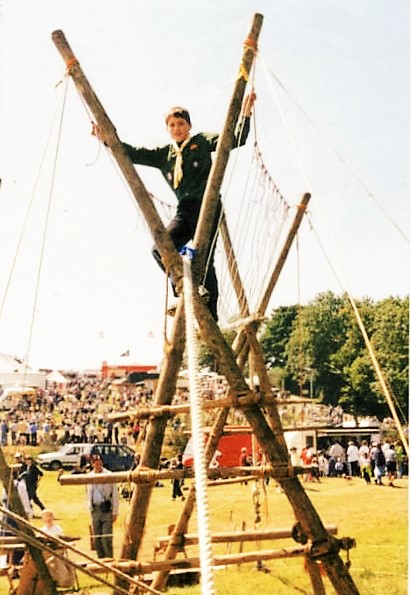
<point>56,377</point>
<point>14,372</point>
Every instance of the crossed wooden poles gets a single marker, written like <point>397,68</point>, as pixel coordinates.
<point>261,413</point>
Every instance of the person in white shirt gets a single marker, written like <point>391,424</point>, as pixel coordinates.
<point>353,459</point>
<point>50,526</point>
<point>103,503</point>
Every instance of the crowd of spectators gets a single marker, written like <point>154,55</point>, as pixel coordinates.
<point>76,412</point>
<point>369,461</point>
<point>79,412</point>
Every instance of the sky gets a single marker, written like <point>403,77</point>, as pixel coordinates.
<point>78,284</point>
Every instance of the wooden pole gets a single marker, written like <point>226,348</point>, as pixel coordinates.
<point>146,477</point>
<point>232,266</point>
<point>194,563</point>
<point>236,537</point>
<point>174,351</point>
<point>160,235</point>
<point>171,410</point>
<point>151,453</point>
<point>210,200</point>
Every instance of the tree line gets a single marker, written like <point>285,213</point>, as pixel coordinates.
<point>318,350</point>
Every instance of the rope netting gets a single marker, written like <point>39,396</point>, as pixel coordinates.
<point>257,221</point>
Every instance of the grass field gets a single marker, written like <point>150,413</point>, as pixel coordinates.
<point>375,516</point>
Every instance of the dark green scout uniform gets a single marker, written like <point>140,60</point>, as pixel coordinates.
<point>196,168</point>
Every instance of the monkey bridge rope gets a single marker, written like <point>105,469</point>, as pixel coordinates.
<point>206,562</point>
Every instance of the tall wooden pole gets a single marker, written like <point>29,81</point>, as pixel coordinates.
<point>210,200</point>
<point>174,351</point>
<point>160,236</point>
<point>233,268</point>
<point>150,456</point>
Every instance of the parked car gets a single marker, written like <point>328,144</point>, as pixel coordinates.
<point>115,457</point>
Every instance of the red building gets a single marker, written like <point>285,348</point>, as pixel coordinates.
<point>123,369</point>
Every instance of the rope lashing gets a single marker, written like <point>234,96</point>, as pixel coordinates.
<point>244,322</point>
<point>200,465</point>
<point>70,64</point>
<point>250,44</point>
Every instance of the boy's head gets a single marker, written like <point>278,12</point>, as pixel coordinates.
<point>178,124</point>
<point>48,517</point>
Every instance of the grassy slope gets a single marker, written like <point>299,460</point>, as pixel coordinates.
<point>375,516</point>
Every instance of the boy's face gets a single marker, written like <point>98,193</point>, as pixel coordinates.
<point>48,518</point>
<point>178,128</point>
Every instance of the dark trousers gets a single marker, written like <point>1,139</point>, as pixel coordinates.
<point>103,532</point>
<point>177,493</point>
<point>32,493</point>
<point>182,229</point>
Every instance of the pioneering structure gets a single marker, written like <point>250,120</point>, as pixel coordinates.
<point>258,406</point>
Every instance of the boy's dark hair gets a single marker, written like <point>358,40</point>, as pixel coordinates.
<point>178,112</point>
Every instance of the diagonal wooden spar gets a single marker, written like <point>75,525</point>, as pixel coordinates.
<point>160,235</point>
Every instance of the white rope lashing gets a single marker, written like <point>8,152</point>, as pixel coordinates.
<point>200,470</point>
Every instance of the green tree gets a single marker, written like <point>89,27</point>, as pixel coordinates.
<point>206,356</point>
<point>390,341</point>
<point>274,338</point>
<point>318,334</point>
<point>357,396</point>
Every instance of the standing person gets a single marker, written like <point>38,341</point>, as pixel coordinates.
<point>186,163</point>
<point>33,432</point>
<point>4,430</point>
<point>32,476</point>
<point>365,467</point>
<point>244,459</point>
<point>400,459</point>
<point>116,430</point>
<point>103,503</point>
<point>215,461</point>
<point>391,464</point>
<point>379,467</point>
<point>336,451</point>
<point>21,488</point>
<point>364,449</point>
<point>353,458</point>
<point>176,482</point>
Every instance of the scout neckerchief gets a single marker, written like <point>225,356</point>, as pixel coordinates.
<point>178,167</point>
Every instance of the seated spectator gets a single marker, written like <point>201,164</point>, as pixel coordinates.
<point>50,526</point>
